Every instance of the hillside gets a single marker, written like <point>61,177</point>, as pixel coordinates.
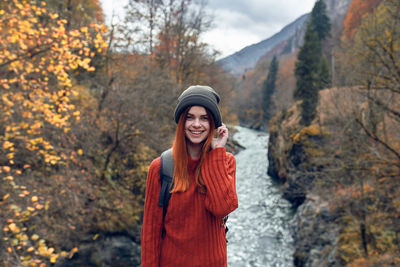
<point>284,42</point>
<point>341,172</point>
<point>251,80</point>
<point>247,57</point>
<point>342,180</point>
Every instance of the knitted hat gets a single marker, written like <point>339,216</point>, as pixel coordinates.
<point>199,95</point>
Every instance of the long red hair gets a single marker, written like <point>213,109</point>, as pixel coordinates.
<point>181,179</point>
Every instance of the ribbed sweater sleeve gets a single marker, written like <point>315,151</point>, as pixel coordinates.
<point>152,220</point>
<point>219,175</point>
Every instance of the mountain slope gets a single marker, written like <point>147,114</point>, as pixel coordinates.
<point>285,41</point>
<point>246,58</point>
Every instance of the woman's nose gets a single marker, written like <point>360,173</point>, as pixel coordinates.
<point>196,122</point>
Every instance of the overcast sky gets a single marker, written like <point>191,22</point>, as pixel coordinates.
<point>239,23</point>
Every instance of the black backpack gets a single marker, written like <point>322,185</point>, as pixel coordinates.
<point>166,174</point>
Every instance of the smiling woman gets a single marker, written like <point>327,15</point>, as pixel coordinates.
<point>192,233</point>
<point>197,128</point>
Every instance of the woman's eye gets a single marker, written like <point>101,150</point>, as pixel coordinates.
<point>204,118</point>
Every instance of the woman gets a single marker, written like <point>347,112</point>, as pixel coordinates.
<point>203,192</point>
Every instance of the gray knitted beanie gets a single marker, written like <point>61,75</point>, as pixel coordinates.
<point>199,95</point>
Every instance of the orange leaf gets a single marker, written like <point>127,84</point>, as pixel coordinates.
<point>6,168</point>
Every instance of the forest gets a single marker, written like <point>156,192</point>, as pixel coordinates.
<point>336,149</point>
<point>85,108</point>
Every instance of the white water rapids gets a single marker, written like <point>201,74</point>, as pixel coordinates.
<point>259,229</point>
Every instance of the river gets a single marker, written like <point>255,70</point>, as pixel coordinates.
<point>259,229</point>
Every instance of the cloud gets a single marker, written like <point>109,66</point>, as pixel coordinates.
<point>239,23</point>
<point>266,11</point>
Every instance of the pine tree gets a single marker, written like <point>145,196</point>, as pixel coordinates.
<point>320,20</point>
<point>321,25</point>
<point>311,68</point>
<point>306,72</point>
<point>323,74</point>
<point>268,90</point>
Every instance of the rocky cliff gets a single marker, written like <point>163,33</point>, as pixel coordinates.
<point>337,9</point>
<point>343,212</point>
<point>293,153</point>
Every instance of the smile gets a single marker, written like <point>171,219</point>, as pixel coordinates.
<point>196,132</point>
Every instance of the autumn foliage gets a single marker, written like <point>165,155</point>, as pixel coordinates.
<point>37,57</point>
<point>357,11</point>
<point>349,156</point>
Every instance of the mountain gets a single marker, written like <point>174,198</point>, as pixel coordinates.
<point>283,42</point>
<point>246,58</point>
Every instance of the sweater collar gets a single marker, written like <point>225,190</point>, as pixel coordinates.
<point>192,163</point>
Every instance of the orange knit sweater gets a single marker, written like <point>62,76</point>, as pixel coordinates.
<point>194,232</point>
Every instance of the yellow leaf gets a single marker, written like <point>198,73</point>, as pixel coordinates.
<point>80,151</point>
<point>54,16</point>
<point>64,254</point>
<point>35,237</point>
<point>53,259</point>
<point>6,196</point>
<point>72,252</point>
<point>13,227</point>
<point>34,198</point>
<point>7,144</point>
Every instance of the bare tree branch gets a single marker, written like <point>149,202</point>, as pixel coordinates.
<point>377,139</point>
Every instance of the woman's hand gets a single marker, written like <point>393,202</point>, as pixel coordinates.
<point>222,137</point>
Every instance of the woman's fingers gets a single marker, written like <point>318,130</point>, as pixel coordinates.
<point>222,137</point>
<point>222,129</point>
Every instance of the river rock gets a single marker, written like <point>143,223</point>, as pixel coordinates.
<point>315,234</point>
<point>109,251</point>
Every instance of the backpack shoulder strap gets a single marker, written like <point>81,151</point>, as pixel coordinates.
<point>166,174</point>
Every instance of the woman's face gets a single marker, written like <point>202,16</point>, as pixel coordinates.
<point>197,125</point>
